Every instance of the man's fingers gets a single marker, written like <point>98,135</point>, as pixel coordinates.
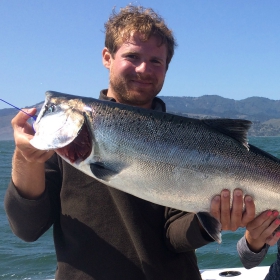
<point>250,210</point>
<point>21,118</point>
<point>20,124</point>
<point>215,207</point>
<point>225,209</point>
<point>237,209</point>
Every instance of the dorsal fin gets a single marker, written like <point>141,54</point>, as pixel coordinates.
<point>235,128</point>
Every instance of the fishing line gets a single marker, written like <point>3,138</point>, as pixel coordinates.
<point>33,117</point>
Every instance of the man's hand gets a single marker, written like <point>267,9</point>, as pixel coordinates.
<point>23,133</point>
<point>28,170</point>
<point>232,216</point>
<point>261,230</point>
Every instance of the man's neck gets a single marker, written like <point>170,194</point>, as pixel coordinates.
<point>111,94</point>
<point>157,105</point>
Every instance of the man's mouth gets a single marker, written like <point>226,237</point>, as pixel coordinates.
<point>142,82</point>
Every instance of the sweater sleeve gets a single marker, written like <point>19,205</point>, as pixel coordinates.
<point>274,270</point>
<point>183,231</point>
<point>29,219</point>
<point>248,258</point>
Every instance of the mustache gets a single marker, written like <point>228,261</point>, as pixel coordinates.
<point>143,78</point>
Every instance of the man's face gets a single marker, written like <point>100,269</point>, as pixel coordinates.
<point>137,71</point>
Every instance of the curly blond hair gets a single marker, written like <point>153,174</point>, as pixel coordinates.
<point>130,19</point>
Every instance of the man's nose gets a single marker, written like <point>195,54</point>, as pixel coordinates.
<point>143,67</point>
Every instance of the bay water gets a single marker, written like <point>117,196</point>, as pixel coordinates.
<point>37,260</point>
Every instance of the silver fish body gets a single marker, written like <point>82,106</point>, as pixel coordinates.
<point>167,159</point>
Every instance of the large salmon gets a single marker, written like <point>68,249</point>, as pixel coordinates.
<point>167,159</point>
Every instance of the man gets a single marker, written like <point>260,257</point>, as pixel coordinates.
<point>100,232</point>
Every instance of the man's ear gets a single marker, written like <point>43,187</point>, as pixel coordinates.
<point>106,58</point>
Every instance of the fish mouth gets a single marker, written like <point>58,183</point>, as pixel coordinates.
<point>80,148</point>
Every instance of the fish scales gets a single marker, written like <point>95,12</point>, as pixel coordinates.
<point>194,158</point>
<point>167,159</point>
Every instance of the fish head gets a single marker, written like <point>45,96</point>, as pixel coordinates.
<point>61,126</point>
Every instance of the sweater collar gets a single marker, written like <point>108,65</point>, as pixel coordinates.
<point>157,105</point>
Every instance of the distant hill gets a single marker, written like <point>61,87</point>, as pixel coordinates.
<point>263,112</point>
<point>258,109</point>
<point>6,115</point>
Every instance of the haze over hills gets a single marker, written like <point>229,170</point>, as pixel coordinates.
<point>263,112</point>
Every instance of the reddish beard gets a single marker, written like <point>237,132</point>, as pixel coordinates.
<point>125,91</point>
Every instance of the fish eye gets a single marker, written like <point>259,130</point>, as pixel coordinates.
<point>50,109</point>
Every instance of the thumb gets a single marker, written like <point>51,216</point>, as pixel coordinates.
<point>21,118</point>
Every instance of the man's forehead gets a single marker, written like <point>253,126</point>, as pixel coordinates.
<point>134,37</point>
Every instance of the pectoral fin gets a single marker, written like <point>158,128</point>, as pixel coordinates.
<point>100,171</point>
<point>211,225</point>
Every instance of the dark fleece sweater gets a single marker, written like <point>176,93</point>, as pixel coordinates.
<point>103,233</point>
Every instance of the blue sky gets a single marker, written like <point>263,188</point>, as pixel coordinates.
<point>229,48</point>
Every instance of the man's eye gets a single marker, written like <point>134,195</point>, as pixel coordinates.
<point>132,56</point>
<point>156,61</point>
